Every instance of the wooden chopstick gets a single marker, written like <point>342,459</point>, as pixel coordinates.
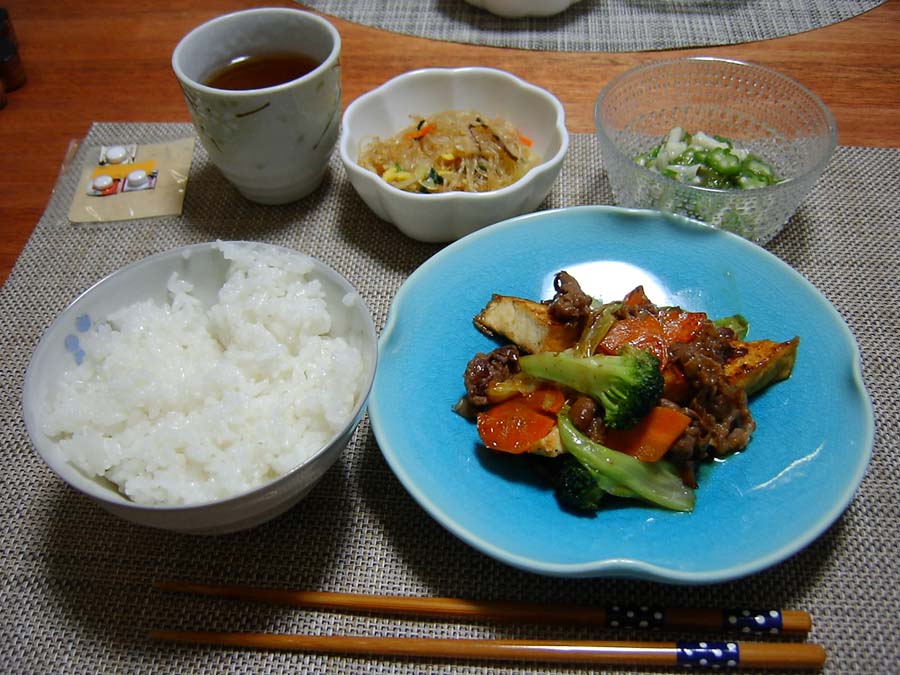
<point>745,621</point>
<point>795,656</point>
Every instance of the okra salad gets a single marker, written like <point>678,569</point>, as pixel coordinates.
<point>707,161</point>
<point>616,400</point>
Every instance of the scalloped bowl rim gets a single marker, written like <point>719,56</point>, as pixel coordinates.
<point>357,107</point>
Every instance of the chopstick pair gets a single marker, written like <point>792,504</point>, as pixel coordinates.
<point>696,653</point>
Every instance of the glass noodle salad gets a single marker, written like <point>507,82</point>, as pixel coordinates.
<point>707,161</point>
<point>451,151</point>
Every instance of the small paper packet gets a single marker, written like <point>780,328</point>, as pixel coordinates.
<point>131,181</point>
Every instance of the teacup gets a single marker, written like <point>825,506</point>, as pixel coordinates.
<point>272,143</point>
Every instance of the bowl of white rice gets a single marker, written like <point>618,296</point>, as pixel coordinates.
<point>205,389</point>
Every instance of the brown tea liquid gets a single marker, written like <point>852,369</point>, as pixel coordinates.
<point>262,70</point>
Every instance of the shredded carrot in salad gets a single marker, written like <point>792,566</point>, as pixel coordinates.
<point>451,151</point>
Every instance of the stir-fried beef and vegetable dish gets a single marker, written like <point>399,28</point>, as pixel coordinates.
<point>622,398</point>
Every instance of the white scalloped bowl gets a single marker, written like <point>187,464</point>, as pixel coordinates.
<point>447,216</point>
<point>514,9</point>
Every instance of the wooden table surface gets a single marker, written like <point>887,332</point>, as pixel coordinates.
<point>108,61</point>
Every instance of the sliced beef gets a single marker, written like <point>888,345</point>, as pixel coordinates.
<point>570,304</point>
<point>484,369</point>
<point>721,422</point>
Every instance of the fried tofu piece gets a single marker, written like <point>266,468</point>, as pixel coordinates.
<point>759,363</point>
<point>527,324</point>
<point>549,446</point>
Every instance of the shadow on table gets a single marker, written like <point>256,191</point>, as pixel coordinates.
<point>795,244</point>
<point>684,7</point>
<point>448,567</point>
<point>377,239</point>
<point>214,209</point>
<point>576,14</point>
<point>99,569</point>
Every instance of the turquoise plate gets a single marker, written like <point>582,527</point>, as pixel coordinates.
<point>755,509</point>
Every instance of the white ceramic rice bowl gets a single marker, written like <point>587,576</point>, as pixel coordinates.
<point>203,265</point>
<point>448,216</point>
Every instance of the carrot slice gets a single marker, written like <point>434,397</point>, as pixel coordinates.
<point>525,140</point>
<point>675,385</point>
<point>636,298</point>
<point>650,439</point>
<point>513,426</point>
<point>545,400</point>
<point>679,325</point>
<point>642,331</point>
<point>421,131</point>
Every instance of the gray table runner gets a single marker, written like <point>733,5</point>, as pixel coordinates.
<point>75,582</point>
<point>600,25</point>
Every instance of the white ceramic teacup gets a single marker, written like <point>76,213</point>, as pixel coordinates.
<point>272,144</point>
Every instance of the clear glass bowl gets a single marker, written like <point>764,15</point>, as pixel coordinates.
<point>759,109</point>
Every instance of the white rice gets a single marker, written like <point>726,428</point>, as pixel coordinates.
<point>179,404</point>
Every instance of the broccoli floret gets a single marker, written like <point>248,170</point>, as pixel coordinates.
<point>624,475</point>
<point>581,488</point>
<point>627,384</point>
<point>576,488</point>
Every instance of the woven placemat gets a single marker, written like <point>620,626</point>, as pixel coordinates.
<point>600,25</point>
<point>75,582</point>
